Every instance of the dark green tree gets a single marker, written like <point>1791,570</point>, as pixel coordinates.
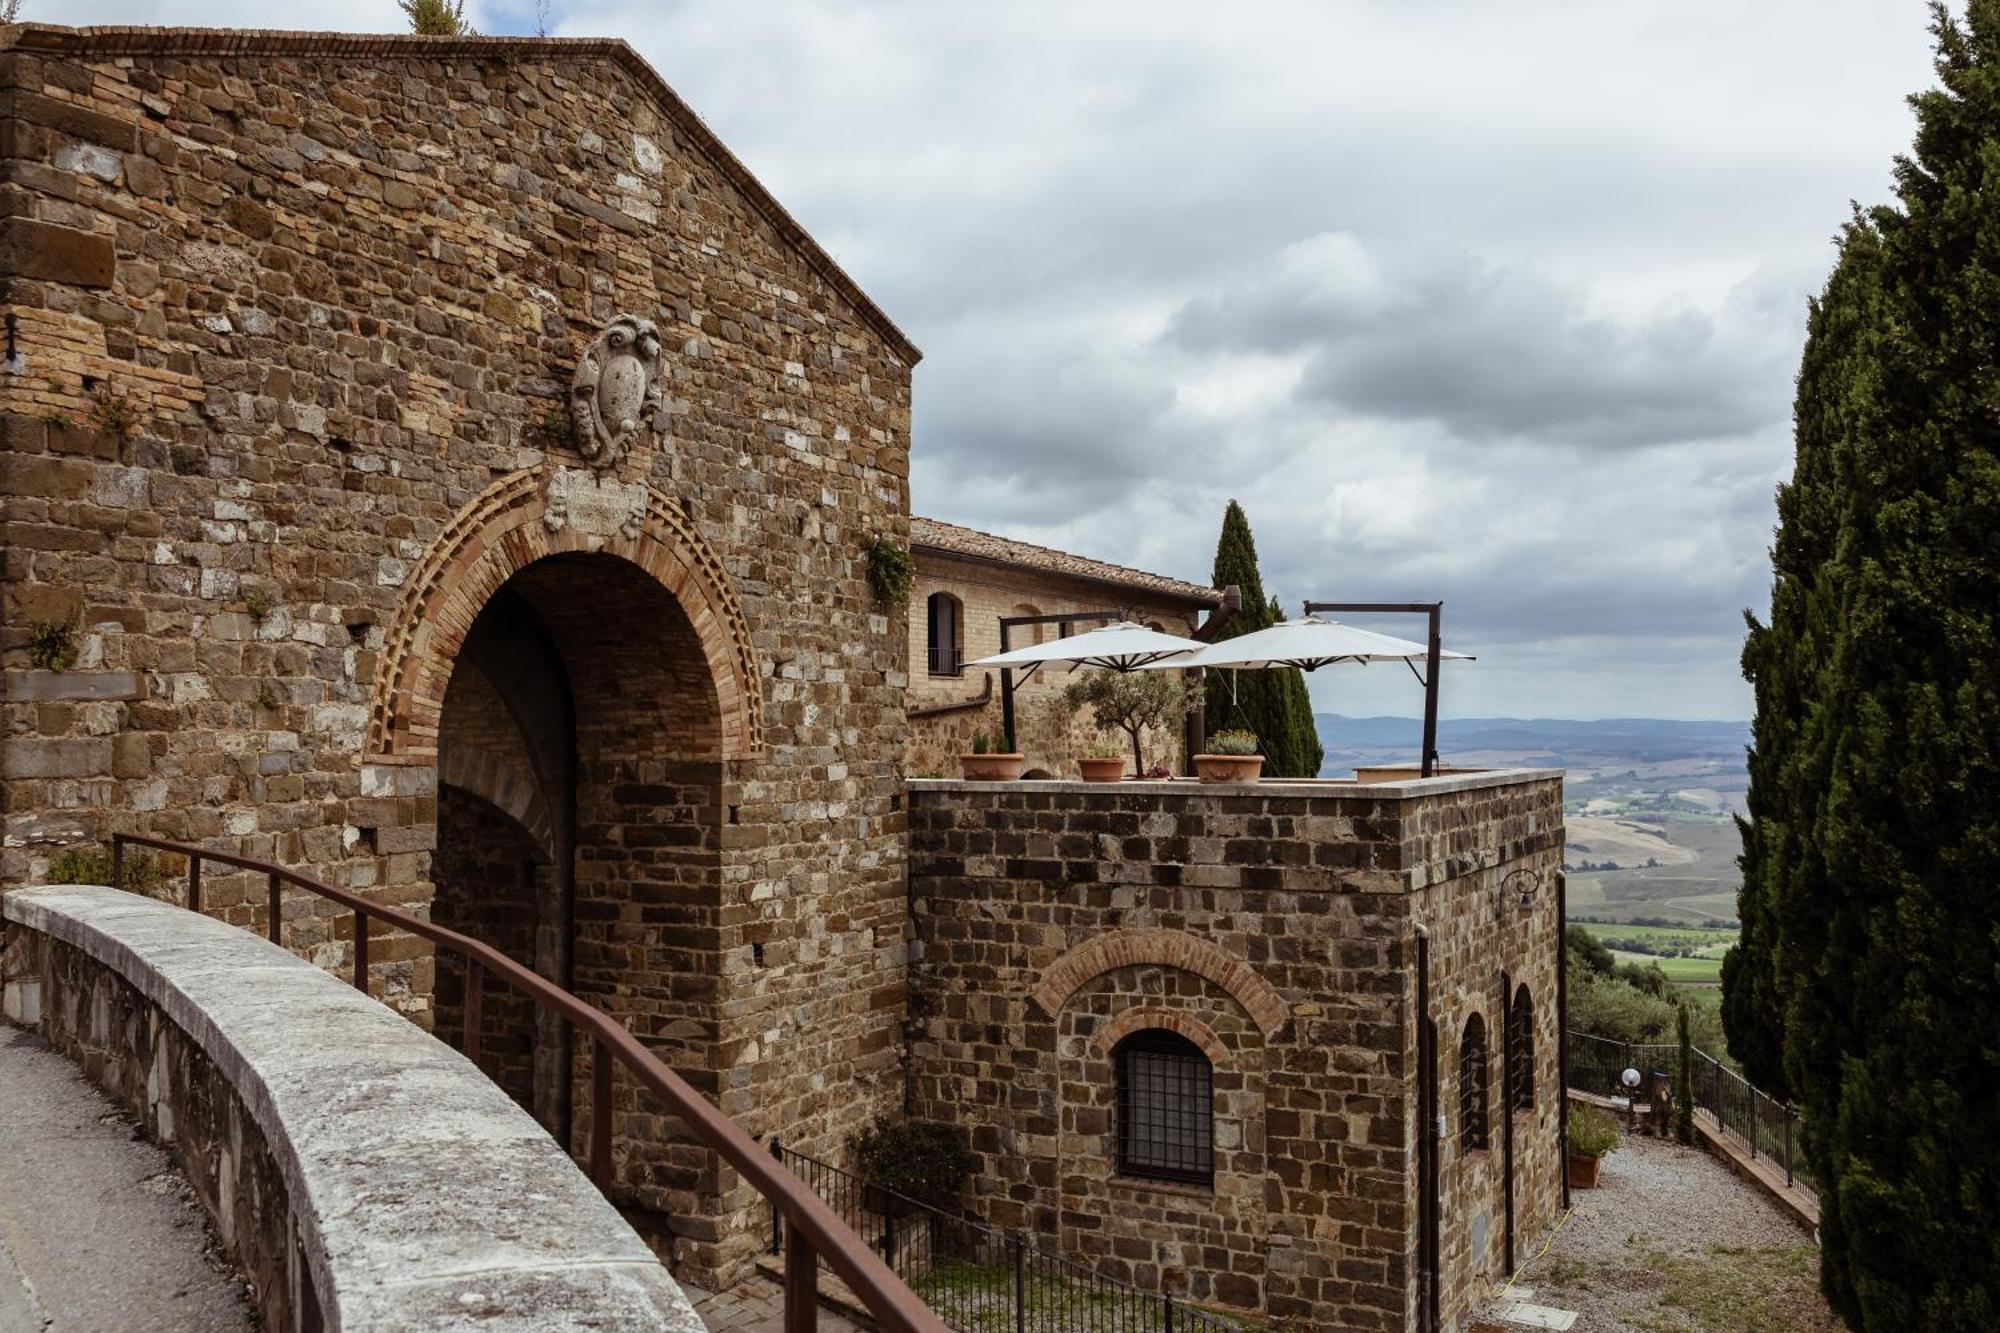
<point>1867,983</point>
<point>1274,704</point>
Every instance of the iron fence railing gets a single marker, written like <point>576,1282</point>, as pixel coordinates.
<point>979,1279</point>
<point>813,1233</point>
<point>1757,1122</point>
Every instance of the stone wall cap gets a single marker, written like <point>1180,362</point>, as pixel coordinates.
<point>124,41</point>
<point>1414,789</point>
<point>425,1198</point>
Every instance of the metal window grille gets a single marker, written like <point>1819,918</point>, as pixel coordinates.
<point>1472,1085</point>
<point>1522,1075</point>
<point>1166,1108</point>
<point>946,617</point>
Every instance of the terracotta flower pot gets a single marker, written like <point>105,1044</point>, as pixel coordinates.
<point>1583,1171</point>
<point>992,767</point>
<point>1102,770</point>
<point>1228,767</point>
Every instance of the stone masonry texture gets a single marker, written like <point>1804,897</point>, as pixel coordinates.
<point>1276,928</point>
<point>295,323</point>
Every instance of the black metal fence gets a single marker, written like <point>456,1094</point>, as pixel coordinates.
<point>982,1280</point>
<point>1757,1122</point>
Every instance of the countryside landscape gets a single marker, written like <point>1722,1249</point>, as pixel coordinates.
<point>1651,807</point>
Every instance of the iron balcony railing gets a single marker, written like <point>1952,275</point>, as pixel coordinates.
<point>1757,1122</point>
<point>983,1280</point>
<point>947,662</point>
<point>813,1231</point>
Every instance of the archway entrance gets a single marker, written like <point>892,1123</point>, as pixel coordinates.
<point>580,773</point>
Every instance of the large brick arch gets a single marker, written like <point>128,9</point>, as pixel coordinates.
<point>503,531</point>
<point>1162,948</point>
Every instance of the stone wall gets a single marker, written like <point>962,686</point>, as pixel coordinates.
<point>1045,732</point>
<point>1276,926</point>
<point>296,320</point>
<point>356,1169</point>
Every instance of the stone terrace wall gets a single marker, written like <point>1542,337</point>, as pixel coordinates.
<point>1275,926</point>
<point>287,306</point>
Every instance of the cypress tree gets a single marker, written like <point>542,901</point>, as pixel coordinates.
<point>1870,964</point>
<point>1274,704</point>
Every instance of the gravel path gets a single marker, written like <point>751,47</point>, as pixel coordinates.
<point>1672,1240</point>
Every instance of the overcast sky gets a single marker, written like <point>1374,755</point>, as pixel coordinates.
<point>1493,303</point>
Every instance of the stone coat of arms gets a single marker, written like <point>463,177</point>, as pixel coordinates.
<point>616,390</point>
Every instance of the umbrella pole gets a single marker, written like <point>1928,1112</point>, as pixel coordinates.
<point>1431,692</point>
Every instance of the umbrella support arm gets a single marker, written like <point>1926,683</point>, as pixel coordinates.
<point>1007,624</point>
<point>1435,611</point>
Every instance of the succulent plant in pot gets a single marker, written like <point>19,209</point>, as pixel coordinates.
<point>1231,756</point>
<point>990,760</point>
<point>1103,760</point>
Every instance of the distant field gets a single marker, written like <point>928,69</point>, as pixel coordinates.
<point>1680,971</point>
<point>1700,891</point>
<point>1710,943</point>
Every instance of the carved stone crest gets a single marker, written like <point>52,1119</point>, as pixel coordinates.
<point>616,390</point>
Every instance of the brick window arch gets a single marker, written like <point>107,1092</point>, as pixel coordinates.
<point>1472,1134</point>
<point>1166,1108</point>
<point>1026,636</point>
<point>946,623</point>
<point>1521,1067</point>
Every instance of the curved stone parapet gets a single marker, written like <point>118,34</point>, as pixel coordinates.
<point>415,1194</point>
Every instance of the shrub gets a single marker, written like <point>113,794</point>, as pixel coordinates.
<point>1592,1133</point>
<point>1232,742</point>
<point>1588,949</point>
<point>919,1159</point>
<point>890,571</point>
<point>979,743</point>
<point>91,864</point>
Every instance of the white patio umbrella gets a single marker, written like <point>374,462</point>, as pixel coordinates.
<point>1312,642</point>
<point>1121,646</point>
<point>1308,643</point>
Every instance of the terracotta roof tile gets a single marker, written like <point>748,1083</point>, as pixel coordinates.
<point>930,534</point>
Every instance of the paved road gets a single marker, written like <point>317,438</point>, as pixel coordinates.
<point>97,1230</point>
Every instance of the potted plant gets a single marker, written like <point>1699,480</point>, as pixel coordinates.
<point>1132,702</point>
<point>1231,756</point>
<point>990,761</point>
<point>1592,1134</point>
<point>1102,761</point>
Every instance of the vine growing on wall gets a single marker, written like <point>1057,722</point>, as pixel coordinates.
<point>52,643</point>
<point>891,571</point>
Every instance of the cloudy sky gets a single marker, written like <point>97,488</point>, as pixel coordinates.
<point>1493,303</point>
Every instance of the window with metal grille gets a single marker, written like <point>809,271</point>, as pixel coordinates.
<point>1472,1085</point>
<point>1166,1108</point>
<point>1521,1073</point>
<point>947,634</point>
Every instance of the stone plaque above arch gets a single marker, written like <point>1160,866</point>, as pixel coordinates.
<point>1162,948</point>
<point>505,529</point>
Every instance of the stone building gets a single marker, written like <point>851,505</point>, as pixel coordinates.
<point>440,466</point>
<point>965,582</point>
<point>437,465</point>
<point>1200,1040</point>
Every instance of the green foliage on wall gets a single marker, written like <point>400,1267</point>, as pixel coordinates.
<point>918,1159</point>
<point>1865,980</point>
<point>1273,704</point>
<point>891,571</point>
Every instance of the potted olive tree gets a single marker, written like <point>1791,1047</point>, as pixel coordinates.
<point>1592,1134</point>
<point>1131,702</point>
<point>991,760</point>
<point>1231,756</point>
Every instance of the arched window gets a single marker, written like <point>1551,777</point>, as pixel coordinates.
<point>1026,636</point>
<point>1166,1108</point>
<point>947,635</point>
<point>1521,1070</point>
<point>1472,1085</point>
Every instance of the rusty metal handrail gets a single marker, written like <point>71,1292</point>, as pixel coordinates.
<point>812,1229</point>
